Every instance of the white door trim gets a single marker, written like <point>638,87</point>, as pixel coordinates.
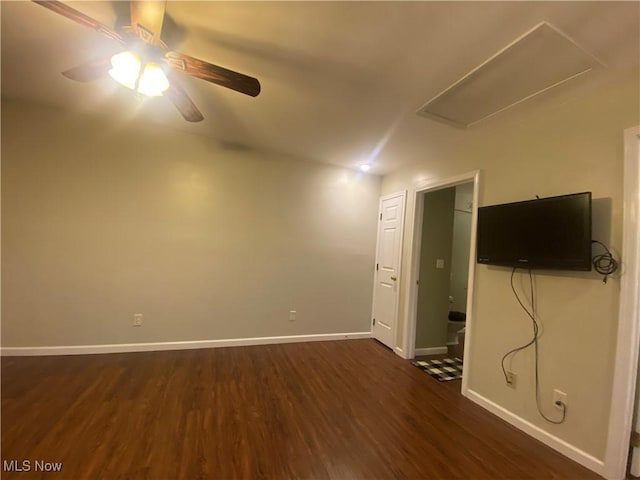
<point>409,344</point>
<point>626,362</point>
<point>403,194</point>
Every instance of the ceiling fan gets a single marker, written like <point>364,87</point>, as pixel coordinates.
<point>146,64</point>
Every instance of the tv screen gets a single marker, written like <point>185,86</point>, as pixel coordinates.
<point>547,233</point>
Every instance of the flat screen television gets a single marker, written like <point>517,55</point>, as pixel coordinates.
<point>549,233</point>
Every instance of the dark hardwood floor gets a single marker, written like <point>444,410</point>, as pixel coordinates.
<point>343,410</point>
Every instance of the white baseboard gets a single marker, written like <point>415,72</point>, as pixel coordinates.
<point>431,351</point>
<point>538,433</point>
<point>185,345</point>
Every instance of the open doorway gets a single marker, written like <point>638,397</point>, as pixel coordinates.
<point>442,263</point>
<point>444,271</point>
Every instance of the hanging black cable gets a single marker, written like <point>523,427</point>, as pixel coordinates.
<point>604,263</point>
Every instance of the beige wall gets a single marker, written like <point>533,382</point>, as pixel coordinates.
<point>572,147</point>
<point>433,289</point>
<point>101,221</point>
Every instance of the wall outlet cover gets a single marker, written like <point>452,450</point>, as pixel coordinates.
<point>559,399</point>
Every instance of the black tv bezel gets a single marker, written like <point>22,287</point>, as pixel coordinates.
<point>584,264</point>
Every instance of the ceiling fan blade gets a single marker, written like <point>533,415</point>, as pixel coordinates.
<point>89,71</point>
<point>183,103</point>
<point>146,20</point>
<point>213,73</point>
<point>79,17</point>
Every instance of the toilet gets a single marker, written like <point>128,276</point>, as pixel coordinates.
<point>455,333</point>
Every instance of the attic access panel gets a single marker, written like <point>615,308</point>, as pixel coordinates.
<point>539,60</point>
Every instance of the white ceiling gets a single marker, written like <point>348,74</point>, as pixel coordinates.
<point>341,81</point>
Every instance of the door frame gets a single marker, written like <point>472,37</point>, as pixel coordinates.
<point>403,194</point>
<point>411,302</point>
<point>625,375</point>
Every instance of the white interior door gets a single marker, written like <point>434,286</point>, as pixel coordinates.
<point>388,256</point>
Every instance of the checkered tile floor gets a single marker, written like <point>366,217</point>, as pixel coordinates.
<point>443,370</point>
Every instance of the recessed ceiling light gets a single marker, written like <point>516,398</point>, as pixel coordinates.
<point>365,167</point>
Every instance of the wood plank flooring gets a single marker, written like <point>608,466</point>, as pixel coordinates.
<point>327,410</point>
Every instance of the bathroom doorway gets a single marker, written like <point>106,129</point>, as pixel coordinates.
<point>442,270</point>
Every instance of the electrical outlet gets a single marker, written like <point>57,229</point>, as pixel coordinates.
<point>137,319</point>
<point>511,379</point>
<point>559,399</point>
<point>292,315</point>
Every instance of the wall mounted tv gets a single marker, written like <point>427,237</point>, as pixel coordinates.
<point>548,233</point>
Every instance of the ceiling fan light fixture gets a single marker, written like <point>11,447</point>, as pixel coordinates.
<point>126,69</point>
<point>142,39</point>
<point>153,82</point>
